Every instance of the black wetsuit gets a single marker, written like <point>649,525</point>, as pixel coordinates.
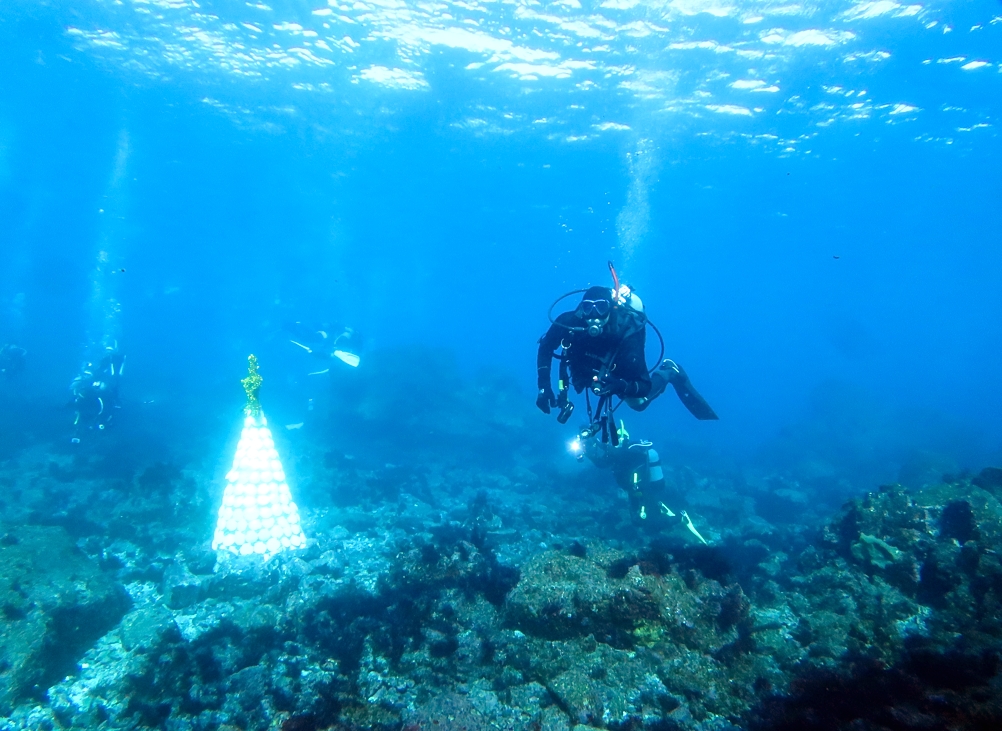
<point>613,360</point>
<point>617,353</point>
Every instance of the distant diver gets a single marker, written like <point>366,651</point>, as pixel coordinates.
<point>96,392</point>
<point>346,347</point>
<point>324,351</point>
<point>602,354</point>
<point>12,360</point>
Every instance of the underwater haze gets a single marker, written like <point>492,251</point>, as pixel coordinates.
<point>805,196</point>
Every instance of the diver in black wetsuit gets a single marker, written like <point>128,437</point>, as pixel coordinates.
<point>603,350</point>
<point>602,343</point>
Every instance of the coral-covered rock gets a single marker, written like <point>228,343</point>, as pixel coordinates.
<point>181,588</point>
<point>990,480</point>
<point>460,597</point>
<point>561,596</point>
<point>612,686</point>
<point>55,603</point>
<point>147,628</point>
<point>902,629</point>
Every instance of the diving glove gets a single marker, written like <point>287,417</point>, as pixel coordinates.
<point>545,399</point>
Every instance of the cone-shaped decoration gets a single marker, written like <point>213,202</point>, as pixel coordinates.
<point>257,516</point>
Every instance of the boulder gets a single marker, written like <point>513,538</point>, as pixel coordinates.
<point>562,596</point>
<point>54,604</point>
<point>147,628</point>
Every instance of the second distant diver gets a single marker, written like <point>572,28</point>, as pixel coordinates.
<point>324,351</point>
<point>96,392</point>
<point>317,341</point>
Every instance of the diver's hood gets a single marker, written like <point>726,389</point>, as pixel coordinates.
<point>598,293</point>
<point>596,324</point>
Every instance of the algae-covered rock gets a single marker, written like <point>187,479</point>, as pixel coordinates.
<point>963,511</point>
<point>612,686</point>
<point>990,479</point>
<point>54,604</point>
<point>875,551</point>
<point>146,628</point>
<point>181,588</point>
<point>561,596</point>
<point>476,708</point>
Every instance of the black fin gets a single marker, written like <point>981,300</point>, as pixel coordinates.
<point>690,397</point>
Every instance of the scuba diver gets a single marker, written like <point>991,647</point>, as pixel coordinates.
<point>346,347</point>
<point>323,350</point>
<point>602,354</point>
<point>95,392</point>
<point>12,359</point>
<point>602,344</point>
<point>636,466</point>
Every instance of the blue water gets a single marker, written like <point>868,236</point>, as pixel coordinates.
<point>806,197</point>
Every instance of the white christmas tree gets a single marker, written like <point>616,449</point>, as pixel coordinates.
<point>258,516</point>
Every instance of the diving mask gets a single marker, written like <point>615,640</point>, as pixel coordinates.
<point>594,309</point>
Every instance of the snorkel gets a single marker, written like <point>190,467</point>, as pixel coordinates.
<point>615,280</point>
